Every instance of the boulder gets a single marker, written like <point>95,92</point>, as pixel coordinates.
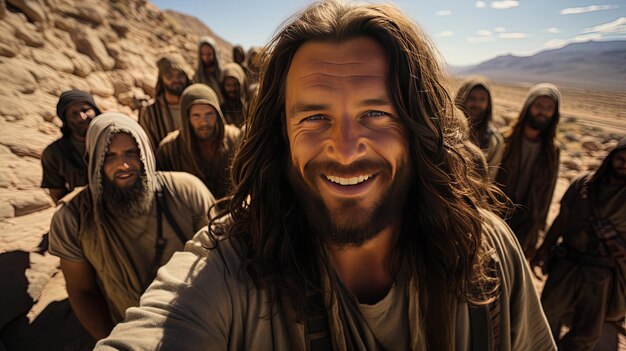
<point>31,8</point>
<point>572,163</point>
<point>83,65</point>
<point>100,85</point>
<point>8,50</point>
<point>120,28</point>
<point>92,15</point>
<point>16,77</point>
<point>3,9</point>
<point>88,43</point>
<point>27,202</point>
<point>54,59</point>
<point>591,145</point>
<point>30,37</point>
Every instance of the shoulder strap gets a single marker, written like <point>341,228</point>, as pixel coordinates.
<point>159,244</point>
<point>317,330</point>
<point>162,203</point>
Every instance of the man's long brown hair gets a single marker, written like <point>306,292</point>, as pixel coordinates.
<point>440,243</point>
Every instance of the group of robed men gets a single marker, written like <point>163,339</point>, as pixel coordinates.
<point>324,241</point>
<point>586,286</point>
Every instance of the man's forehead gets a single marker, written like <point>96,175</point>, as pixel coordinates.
<point>355,56</point>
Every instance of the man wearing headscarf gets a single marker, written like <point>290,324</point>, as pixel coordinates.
<point>530,164</point>
<point>474,99</point>
<point>253,65</point>
<point>233,84</point>
<point>62,161</point>
<point>208,70</point>
<point>239,56</point>
<point>113,235</point>
<point>163,115</point>
<point>205,144</point>
<point>586,283</point>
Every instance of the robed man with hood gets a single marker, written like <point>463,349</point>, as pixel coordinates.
<point>530,164</point>
<point>113,235</point>
<point>208,70</point>
<point>205,144</point>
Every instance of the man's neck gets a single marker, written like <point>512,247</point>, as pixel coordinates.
<point>366,270</point>
<point>207,149</point>
<point>172,99</point>
<point>77,138</point>
<point>531,133</point>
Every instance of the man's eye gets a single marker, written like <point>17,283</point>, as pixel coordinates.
<point>314,118</point>
<point>375,114</point>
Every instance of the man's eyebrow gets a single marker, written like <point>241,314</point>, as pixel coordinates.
<point>375,102</point>
<point>305,107</point>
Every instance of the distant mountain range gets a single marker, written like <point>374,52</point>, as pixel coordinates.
<point>592,64</point>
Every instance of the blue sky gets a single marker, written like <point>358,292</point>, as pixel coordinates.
<point>465,31</point>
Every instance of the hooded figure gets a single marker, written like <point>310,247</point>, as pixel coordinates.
<point>115,237</point>
<point>160,118</point>
<point>62,161</point>
<point>529,169</point>
<point>212,79</point>
<point>233,107</point>
<point>483,132</point>
<point>585,279</point>
<point>252,65</point>
<point>239,56</point>
<point>182,150</point>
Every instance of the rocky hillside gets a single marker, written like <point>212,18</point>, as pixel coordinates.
<point>47,46</point>
<point>108,48</point>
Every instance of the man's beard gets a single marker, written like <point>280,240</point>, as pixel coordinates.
<point>350,224</point>
<point>538,123</point>
<point>127,202</point>
<point>175,90</point>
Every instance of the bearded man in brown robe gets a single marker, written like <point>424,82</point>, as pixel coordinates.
<point>233,90</point>
<point>530,164</point>
<point>474,99</point>
<point>163,115</point>
<point>208,70</point>
<point>113,235</point>
<point>586,284</point>
<point>63,165</point>
<point>205,144</point>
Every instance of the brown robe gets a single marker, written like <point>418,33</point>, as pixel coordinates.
<point>486,135</point>
<point>158,120</point>
<point>179,150</point>
<point>234,109</point>
<point>533,201</point>
<point>122,250</point>
<point>201,75</point>
<point>63,165</point>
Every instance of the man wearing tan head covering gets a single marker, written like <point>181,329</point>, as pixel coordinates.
<point>208,70</point>
<point>113,235</point>
<point>474,99</point>
<point>205,144</point>
<point>530,164</point>
<point>233,84</point>
<point>163,115</point>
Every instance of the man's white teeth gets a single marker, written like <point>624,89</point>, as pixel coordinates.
<point>349,181</point>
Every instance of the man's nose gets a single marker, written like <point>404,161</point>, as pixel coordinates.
<point>346,141</point>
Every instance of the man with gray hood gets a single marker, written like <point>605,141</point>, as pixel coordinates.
<point>205,144</point>
<point>233,88</point>
<point>113,235</point>
<point>208,70</point>
<point>62,161</point>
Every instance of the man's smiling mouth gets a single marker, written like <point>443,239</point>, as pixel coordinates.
<point>349,181</point>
